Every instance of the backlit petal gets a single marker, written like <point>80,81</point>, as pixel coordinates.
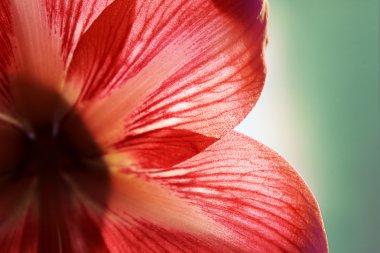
<point>70,19</point>
<point>259,202</point>
<point>157,149</point>
<point>35,63</point>
<point>38,53</point>
<point>185,64</point>
<point>37,39</point>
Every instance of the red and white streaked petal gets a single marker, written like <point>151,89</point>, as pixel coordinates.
<point>181,64</point>
<point>257,202</point>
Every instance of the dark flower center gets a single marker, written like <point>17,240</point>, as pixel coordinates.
<point>53,145</point>
<point>46,155</point>
<point>55,154</point>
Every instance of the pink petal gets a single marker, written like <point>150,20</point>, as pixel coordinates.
<point>180,64</point>
<point>157,149</point>
<point>254,199</point>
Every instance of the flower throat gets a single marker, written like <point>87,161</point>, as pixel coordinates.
<point>62,163</point>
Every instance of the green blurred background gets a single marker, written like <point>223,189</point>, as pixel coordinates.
<point>320,109</point>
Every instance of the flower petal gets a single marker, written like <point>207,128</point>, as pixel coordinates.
<point>254,199</point>
<point>17,222</point>
<point>34,220</point>
<point>37,39</point>
<point>32,59</point>
<point>157,149</point>
<point>37,55</point>
<point>6,54</point>
<point>70,19</point>
<point>183,64</point>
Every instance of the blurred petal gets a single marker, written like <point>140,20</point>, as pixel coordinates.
<point>11,147</point>
<point>259,204</point>
<point>33,23</point>
<point>36,63</point>
<point>38,53</point>
<point>33,219</point>
<point>37,40</point>
<point>74,228</point>
<point>17,222</point>
<point>180,64</point>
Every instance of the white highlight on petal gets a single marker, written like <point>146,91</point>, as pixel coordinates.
<point>170,173</point>
<point>157,125</point>
<point>19,123</point>
<point>9,119</point>
<point>180,106</point>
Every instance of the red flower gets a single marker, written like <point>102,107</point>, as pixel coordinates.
<point>116,123</point>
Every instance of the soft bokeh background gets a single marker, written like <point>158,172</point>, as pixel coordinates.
<point>320,109</point>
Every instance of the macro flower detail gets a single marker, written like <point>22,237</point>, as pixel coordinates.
<point>116,131</point>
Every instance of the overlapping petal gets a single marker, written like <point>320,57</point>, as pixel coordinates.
<point>157,149</point>
<point>37,39</point>
<point>235,196</point>
<point>251,198</point>
<point>182,64</point>
<point>174,79</point>
<point>71,19</point>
